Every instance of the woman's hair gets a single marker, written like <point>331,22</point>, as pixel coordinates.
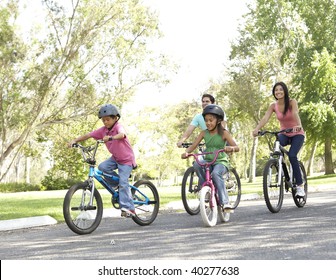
<point>285,88</point>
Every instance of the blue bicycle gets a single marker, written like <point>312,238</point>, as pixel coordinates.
<point>83,205</point>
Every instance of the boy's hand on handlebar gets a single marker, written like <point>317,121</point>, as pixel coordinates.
<point>71,144</point>
<point>106,138</point>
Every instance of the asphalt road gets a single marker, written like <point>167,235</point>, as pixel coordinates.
<point>253,233</point>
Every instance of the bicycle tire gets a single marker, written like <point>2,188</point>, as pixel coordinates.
<point>233,187</point>
<point>77,216</point>
<point>209,215</point>
<point>190,191</point>
<point>273,194</point>
<point>301,201</point>
<point>147,212</point>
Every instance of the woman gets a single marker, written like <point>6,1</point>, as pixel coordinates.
<point>287,113</point>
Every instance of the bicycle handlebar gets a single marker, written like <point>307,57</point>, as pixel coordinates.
<point>86,151</point>
<point>196,156</point>
<point>187,145</point>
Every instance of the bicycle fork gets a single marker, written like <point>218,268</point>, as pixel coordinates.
<point>208,182</point>
<point>283,172</point>
<point>90,206</point>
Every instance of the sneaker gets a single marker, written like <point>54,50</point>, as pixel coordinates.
<point>127,213</point>
<point>226,217</point>
<point>227,208</point>
<point>300,191</point>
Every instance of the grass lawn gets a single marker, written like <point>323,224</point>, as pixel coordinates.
<point>29,204</point>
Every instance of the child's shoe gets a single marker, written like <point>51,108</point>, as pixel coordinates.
<point>127,213</point>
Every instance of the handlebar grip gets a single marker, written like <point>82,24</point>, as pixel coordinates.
<point>186,145</point>
<point>74,145</point>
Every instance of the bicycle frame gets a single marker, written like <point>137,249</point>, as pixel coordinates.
<point>208,179</point>
<point>280,152</point>
<point>282,169</point>
<point>99,175</point>
<point>83,212</point>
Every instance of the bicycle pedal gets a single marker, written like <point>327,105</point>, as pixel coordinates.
<point>228,210</point>
<point>125,214</point>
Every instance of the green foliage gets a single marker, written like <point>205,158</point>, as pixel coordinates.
<point>319,119</point>
<point>18,187</point>
<point>50,183</point>
<point>292,41</point>
<point>86,54</point>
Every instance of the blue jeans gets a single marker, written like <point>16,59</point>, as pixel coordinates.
<point>296,143</point>
<point>217,172</point>
<point>124,171</point>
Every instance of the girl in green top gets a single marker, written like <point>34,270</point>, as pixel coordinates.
<point>216,138</point>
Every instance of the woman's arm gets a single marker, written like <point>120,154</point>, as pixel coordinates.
<point>264,120</point>
<point>295,110</point>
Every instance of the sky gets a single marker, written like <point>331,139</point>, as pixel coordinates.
<point>197,36</point>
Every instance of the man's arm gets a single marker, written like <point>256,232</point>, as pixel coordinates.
<point>186,135</point>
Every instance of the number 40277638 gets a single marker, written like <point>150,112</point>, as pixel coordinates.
<point>215,270</point>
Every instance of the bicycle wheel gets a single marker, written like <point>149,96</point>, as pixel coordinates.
<point>190,191</point>
<point>146,201</point>
<point>233,187</point>
<point>299,200</point>
<point>273,193</point>
<point>208,213</point>
<point>81,217</point>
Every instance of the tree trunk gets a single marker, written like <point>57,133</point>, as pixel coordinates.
<point>27,169</point>
<point>253,160</point>
<point>329,168</point>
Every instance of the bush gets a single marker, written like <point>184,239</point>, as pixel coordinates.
<point>18,187</point>
<point>49,183</point>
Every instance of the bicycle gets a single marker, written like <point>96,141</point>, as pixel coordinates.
<point>273,184</point>
<point>190,187</point>
<point>209,205</point>
<point>83,205</point>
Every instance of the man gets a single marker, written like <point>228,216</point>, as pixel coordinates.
<point>198,120</point>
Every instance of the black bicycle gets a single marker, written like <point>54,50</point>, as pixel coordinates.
<point>190,186</point>
<point>278,175</point>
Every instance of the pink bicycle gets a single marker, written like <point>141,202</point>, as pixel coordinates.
<point>209,200</point>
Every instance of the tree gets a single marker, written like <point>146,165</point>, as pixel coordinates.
<point>318,86</point>
<point>90,53</point>
<point>285,38</point>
